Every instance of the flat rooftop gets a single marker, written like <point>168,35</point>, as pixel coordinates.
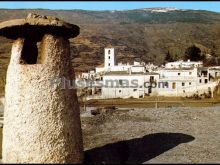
<point>132,73</point>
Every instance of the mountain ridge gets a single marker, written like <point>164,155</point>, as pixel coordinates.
<point>151,8</point>
<point>136,34</point>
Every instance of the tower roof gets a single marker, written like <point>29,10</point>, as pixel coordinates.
<point>35,26</point>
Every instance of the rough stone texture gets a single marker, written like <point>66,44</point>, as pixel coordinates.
<point>35,26</point>
<point>41,121</point>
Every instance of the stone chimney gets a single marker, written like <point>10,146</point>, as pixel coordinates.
<point>41,119</point>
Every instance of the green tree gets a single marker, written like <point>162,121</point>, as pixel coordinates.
<point>193,53</point>
<point>169,57</point>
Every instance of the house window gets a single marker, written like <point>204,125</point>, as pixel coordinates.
<point>205,73</point>
<point>174,85</point>
<point>183,84</point>
<point>200,81</point>
<point>190,73</point>
<point>119,91</point>
<point>167,84</point>
<point>109,51</point>
<point>134,89</point>
<point>206,81</point>
<point>178,74</point>
<point>151,78</point>
<point>190,83</point>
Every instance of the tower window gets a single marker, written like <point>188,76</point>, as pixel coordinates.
<point>108,64</point>
<point>109,51</point>
<point>30,52</point>
<point>109,57</point>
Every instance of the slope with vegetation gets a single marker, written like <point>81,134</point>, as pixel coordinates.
<point>142,34</point>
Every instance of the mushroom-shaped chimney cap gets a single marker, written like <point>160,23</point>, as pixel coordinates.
<point>35,26</point>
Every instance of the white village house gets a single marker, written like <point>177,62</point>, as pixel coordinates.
<point>179,78</point>
<point>183,64</point>
<point>185,82</point>
<point>123,84</point>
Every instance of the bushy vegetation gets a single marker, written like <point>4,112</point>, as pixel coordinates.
<point>193,53</point>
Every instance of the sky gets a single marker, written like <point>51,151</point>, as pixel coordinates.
<point>110,5</point>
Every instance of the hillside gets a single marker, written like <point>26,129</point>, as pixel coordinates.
<point>146,34</point>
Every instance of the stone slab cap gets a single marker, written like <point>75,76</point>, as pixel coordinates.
<point>34,27</point>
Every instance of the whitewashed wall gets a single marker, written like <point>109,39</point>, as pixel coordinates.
<point>187,90</point>
<point>109,57</point>
<point>99,69</point>
<point>214,72</point>
<point>185,64</point>
<point>126,92</point>
<point>175,73</point>
<point>138,69</point>
<point>120,68</point>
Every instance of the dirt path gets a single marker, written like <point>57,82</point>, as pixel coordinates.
<point>164,135</point>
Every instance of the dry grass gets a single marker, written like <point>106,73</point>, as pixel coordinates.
<point>152,102</point>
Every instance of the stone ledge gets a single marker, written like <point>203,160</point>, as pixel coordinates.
<point>35,26</point>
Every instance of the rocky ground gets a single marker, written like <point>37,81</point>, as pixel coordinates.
<point>149,135</point>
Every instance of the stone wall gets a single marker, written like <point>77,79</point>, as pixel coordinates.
<point>41,121</point>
